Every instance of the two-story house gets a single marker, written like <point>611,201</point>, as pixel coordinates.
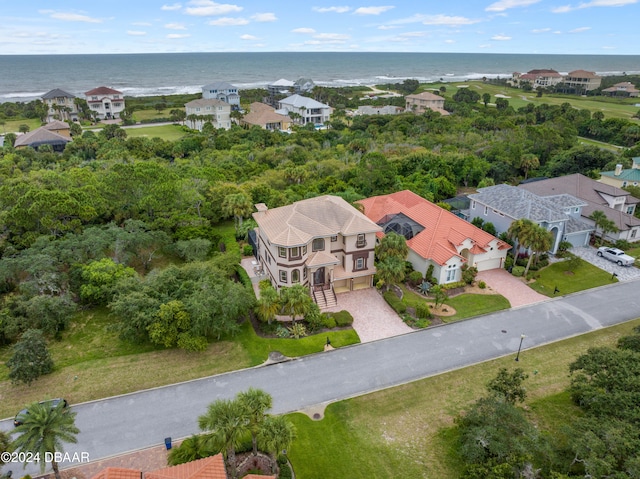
<point>561,214</point>
<point>264,116</point>
<point>421,102</point>
<point>435,236</point>
<point>540,78</point>
<point>106,103</point>
<point>604,195</point>
<point>61,105</point>
<point>307,110</point>
<point>222,91</point>
<point>581,81</point>
<point>323,243</point>
<point>624,89</point>
<point>204,110</point>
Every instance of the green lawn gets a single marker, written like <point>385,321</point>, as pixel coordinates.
<point>586,276</point>
<point>166,132</point>
<point>407,431</point>
<point>13,126</point>
<point>140,115</point>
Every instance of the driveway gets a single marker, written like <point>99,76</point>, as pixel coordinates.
<point>512,288</point>
<point>624,273</point>
<point>373,318</point>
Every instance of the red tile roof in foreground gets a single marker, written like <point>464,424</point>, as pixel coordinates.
<point>443,230</point>
<point>207,468</point>
<point>118,473</point>
<point>103,90</point>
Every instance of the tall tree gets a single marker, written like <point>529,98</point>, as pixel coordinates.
<point>44,431</point>
<point>268,304</point>
<point>538,241</point>
<point>237,205</point>
<point>256,403</point>
<point>296,300</point>
<point>392,245</point>
<point>31,358</point>
<point>598,218</point>
<point>518,231</point>
<point>276,435</point>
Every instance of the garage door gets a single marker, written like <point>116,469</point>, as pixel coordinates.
<point>492,263</point>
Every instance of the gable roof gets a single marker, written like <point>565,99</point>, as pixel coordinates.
<point>297,224</point>
<point>41,136</point>
<point>628,174</point>
<point>208,468</point>
<point>425,95</point>
<point>519,203</point>
<point>261,114</point>
<point>219,85</point>
<point>103,90</point>
<point>299,101</point>
<point>582,74</point>
<point>443,231</point>
<point>206,102</point>
<point>283,83</point>
<point>57,125</point>
<point>57,93</point>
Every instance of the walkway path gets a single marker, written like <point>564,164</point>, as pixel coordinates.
<point>512,288</point>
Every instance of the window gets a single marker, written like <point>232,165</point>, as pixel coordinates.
<point>633,233</point>
<point>304,249</point>
<point>451,275</point>
<point>473,205</point>
<point>282,252</point>
<point>334,238</point>
<point>318,244</point>
<point>295,276</point>
<point>283,276</point>
<point>576,210</point>
<point>629,210</point>
<point>360,241</point>
<point>294,252</point>
<point>304,273</point>
<point>359,264</point>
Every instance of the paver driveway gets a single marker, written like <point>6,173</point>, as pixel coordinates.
<point>590,254</point>
<point>512,288</point>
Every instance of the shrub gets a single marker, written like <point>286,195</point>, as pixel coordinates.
<point>622,244</point>
<point>282,332</point>
<point>489,228</point>
<point>422,323</point>
<point>244,278</point>
<point>482,285</point>
<point>457,284</point>
<point>314,319</point>
<point>563,247</point>
<point>343,318</point>
<point>429,276</point>
<point>508,262</point>
<point>469,274</point>
<point>297,330</point>
<point>395,302</point>
<point>247,250</point>
<point>328,321</point>
<point>423,311</point>
<point>415,278</point>
<point>517,271</point>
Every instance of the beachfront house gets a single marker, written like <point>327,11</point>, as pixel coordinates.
<point>604,195</point>
<point>222,91</point>
<point>435,236</point>
<point>421,102</point>
<point>303,110</point>
<point>105,103</point>
<point>265,116</point>
<point>580,82</point>
<point>559,213</point>
<point>323,243</point>
<point>60,105</point>
<point>540,78</point>
<point>208,110</point>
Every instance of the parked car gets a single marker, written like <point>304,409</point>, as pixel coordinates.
<point>53,403</point>
<point>616,255</point>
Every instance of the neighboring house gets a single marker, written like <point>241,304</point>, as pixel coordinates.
<point>421,102</point>
<point>621,178</point>
<point>323,242</point>
<point>542,78</point>
<point>281,87</point>
<point>106,103</point>
<point>308,109</point>
<point>378,110</point>
<point>264,116</point>
<point>222,91</point>
<point>204,110</point>
<point>55,134</point>
<point>61,105</point>
<point>623,89</point>
<point>303,85</point>
<point>559,213</point>
<point>581,81</point>
<point>435,236</point>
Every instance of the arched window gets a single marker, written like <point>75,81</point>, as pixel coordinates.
<point>295,276</point>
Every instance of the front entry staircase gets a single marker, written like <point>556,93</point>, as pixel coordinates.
<point>325,298</point>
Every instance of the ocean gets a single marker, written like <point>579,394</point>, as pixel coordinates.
<point>27,77</point>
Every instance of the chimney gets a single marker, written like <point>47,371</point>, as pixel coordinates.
<point>618,170</point>
<point>261,207</point>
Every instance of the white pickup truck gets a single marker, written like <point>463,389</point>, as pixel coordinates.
<point>616,255</point>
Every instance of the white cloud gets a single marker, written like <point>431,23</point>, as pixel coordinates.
<point>303,30</point>
<point>332,36</point>
<point>70,17</point>
<point>563,9</point>
<point>229,22</point>
<point>372,10</point>
<point>387,27</point>
<point>540,30</point>
<point>264,17</point>
<point>449,41</point>
<point>503,5</point>
<point>413,34</point>
<point>485,45</point>
<point>175,6</point>
<point>175,26</point>
<point>248,37</point>
<point>501,38</point>
<point>141,24</point>
<point>135,33</point>
<point>207,8</point>
<point>331,9</point>
<point>440,19</point>
<point>174,36</point>
<point>580,29</point>
<point>595,3</point>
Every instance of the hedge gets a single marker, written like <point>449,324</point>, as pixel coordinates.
<point>342,318</point>
<point>396,303</point>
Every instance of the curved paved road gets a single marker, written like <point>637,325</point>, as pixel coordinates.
<point>116,425</point>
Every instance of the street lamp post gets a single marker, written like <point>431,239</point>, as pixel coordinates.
<point>520,347</point>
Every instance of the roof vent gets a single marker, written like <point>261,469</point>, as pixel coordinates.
<point>618,170</point>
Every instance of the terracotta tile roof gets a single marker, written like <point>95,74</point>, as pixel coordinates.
<point>442,229</point>
<point>425,95</point>
<point>297,224</point>
<point>261,114</point>
<point>118,473</point>
<point>103,90</point>
<point>582,74</point>
<point>207,468</point>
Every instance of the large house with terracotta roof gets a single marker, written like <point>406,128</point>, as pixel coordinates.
<point>105,103</point>
<point>421,102</point>
<point>55,134</point>
<point>582,81</point>
<point>435,236</point>
<point>265,116</point>
<point>623,89</point>
<point>323,242</point>
<point>541,78</point>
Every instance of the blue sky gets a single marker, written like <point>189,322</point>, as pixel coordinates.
<point>141,26</point>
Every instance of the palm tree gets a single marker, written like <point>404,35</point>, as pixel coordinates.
<point>394,245</point>
<point>44,430</point>
<point>296,300</point>
<point>256,402</point>
<point>268,304</point>
<point>227,421</point>
<point>598,217</point>
<point>518,231</point>
<point>276,435</point>
<point>390,270</point>
<point>608,226</point>
<point>528,162</point>
<point>538,240</point>
<point>239,205</point>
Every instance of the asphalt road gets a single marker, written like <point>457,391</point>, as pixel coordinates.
<point>116,425</point>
